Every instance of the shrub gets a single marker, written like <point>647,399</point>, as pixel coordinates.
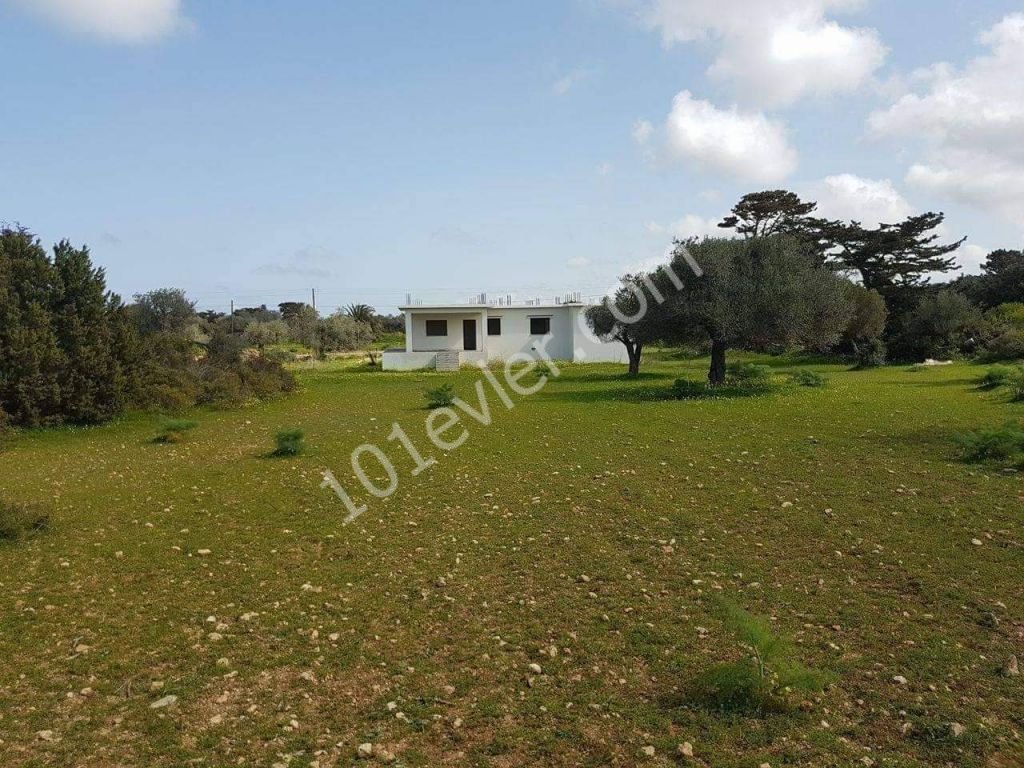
<point>762,681</point>
<point>870,353</point>
<point>1016,385</point>
<point>17,520</point>
<point>1008,345</point>
<point>219,386</point>
<point>173,430</point>
<point>1005,443</point>
<point>685,389</point>
<point>996,376</point>
<point>440,397</point>
<point>280,355</point>
<point>808,379</point>
<point>748,375</point>
<point>289,442</point>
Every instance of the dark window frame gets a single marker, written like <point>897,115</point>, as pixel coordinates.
<point>546,319</point>
<point>490,328</point>
<point>434,323</point>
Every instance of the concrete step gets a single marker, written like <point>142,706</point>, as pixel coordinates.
<point>448,360</point>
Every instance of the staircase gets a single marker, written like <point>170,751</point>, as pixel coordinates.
<point>448,360</point>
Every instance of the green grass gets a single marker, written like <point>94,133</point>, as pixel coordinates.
<point>599,516</point>
<point>173,430</point>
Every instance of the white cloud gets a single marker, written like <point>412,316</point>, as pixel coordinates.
<point>745,145</point>
<point>121,21</point>
<point>567,82</point>
<point>642,130</point>
<point>971,257</point>
<point>852,198</point>
<point>691,225</point>
<point>774,52</point>
<point>578,262</point>
<point>971,120</point>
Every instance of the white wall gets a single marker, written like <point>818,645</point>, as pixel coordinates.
<point>516,337</point>
<point>569,339</point>
<point>423,343</point>
<point>588,348</point>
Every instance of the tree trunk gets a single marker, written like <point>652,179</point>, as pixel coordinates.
<point>716,376</point>
<point>634,351</point>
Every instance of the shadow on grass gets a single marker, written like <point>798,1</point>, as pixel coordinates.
<point>648,394</point>
<point>623,377</point>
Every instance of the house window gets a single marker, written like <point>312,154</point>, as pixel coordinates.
<point>540,326</point>
<point>437,327</point>
<point>494,326</point>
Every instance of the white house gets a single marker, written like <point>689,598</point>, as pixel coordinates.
<point>444,336</point>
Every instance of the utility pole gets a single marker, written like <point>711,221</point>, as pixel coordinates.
<point>314,299</point>
<point>232,315</point>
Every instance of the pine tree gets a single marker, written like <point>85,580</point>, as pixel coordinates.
<point>31,361</point>
<point>892,256</point>
<point>93,385</point>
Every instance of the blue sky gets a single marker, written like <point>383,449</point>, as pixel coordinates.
<point>254,150</point>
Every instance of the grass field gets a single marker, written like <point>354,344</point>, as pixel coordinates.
<point>596,517</point>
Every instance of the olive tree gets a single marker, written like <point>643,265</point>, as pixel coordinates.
<point>339,332</point>
<point>762,293</point>
<point>260,334</point>
<point>634,316</point>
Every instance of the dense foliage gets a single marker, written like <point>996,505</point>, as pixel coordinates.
<point>72,353</point>
<point>66,344</point>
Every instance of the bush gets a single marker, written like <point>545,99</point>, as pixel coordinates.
<point>748,375</point>
<point>289,442</point>
<point>263,378</point>
<point>219,386</point>
<point>173,430</point>
<point>996,376</point>
<point>870,353</point>
<point>808,379</point>
<point>18,520</point>
<point>1016,385</point>
<point>1005,443</point>
<point>685,389</point>
<point>280,355</point>
<point>765,679</point>
<point>1008,345</point>
<point>440,397</point>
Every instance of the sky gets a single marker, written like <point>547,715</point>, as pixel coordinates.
<point>253,150</point>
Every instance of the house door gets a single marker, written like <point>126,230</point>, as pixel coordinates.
<point>469,334</point>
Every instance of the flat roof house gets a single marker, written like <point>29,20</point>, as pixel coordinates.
<point>445,336</point>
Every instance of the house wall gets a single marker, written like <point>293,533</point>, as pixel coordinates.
<point>587,348</point>
<point>569,340</point>
<point>423,343</point>
<point>516,337</point>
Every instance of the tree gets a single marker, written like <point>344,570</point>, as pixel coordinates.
<point>302,325</point>
<point>633,317</point>
<point>67,347</point>
<point>93,382</point>
<point>891,257</point>
<point>361,313</point>
<point>246,315</point>
<point>772,212</point>
<point>943,324</point>
<point>760,292</point>
<point>30,358</point>
<point>340,332</point>
<point>290,309</point>
<point>1001,280</point>
<point>260,334</point>
<point>165,310</point>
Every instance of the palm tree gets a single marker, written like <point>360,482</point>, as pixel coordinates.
<point>361,313</point>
